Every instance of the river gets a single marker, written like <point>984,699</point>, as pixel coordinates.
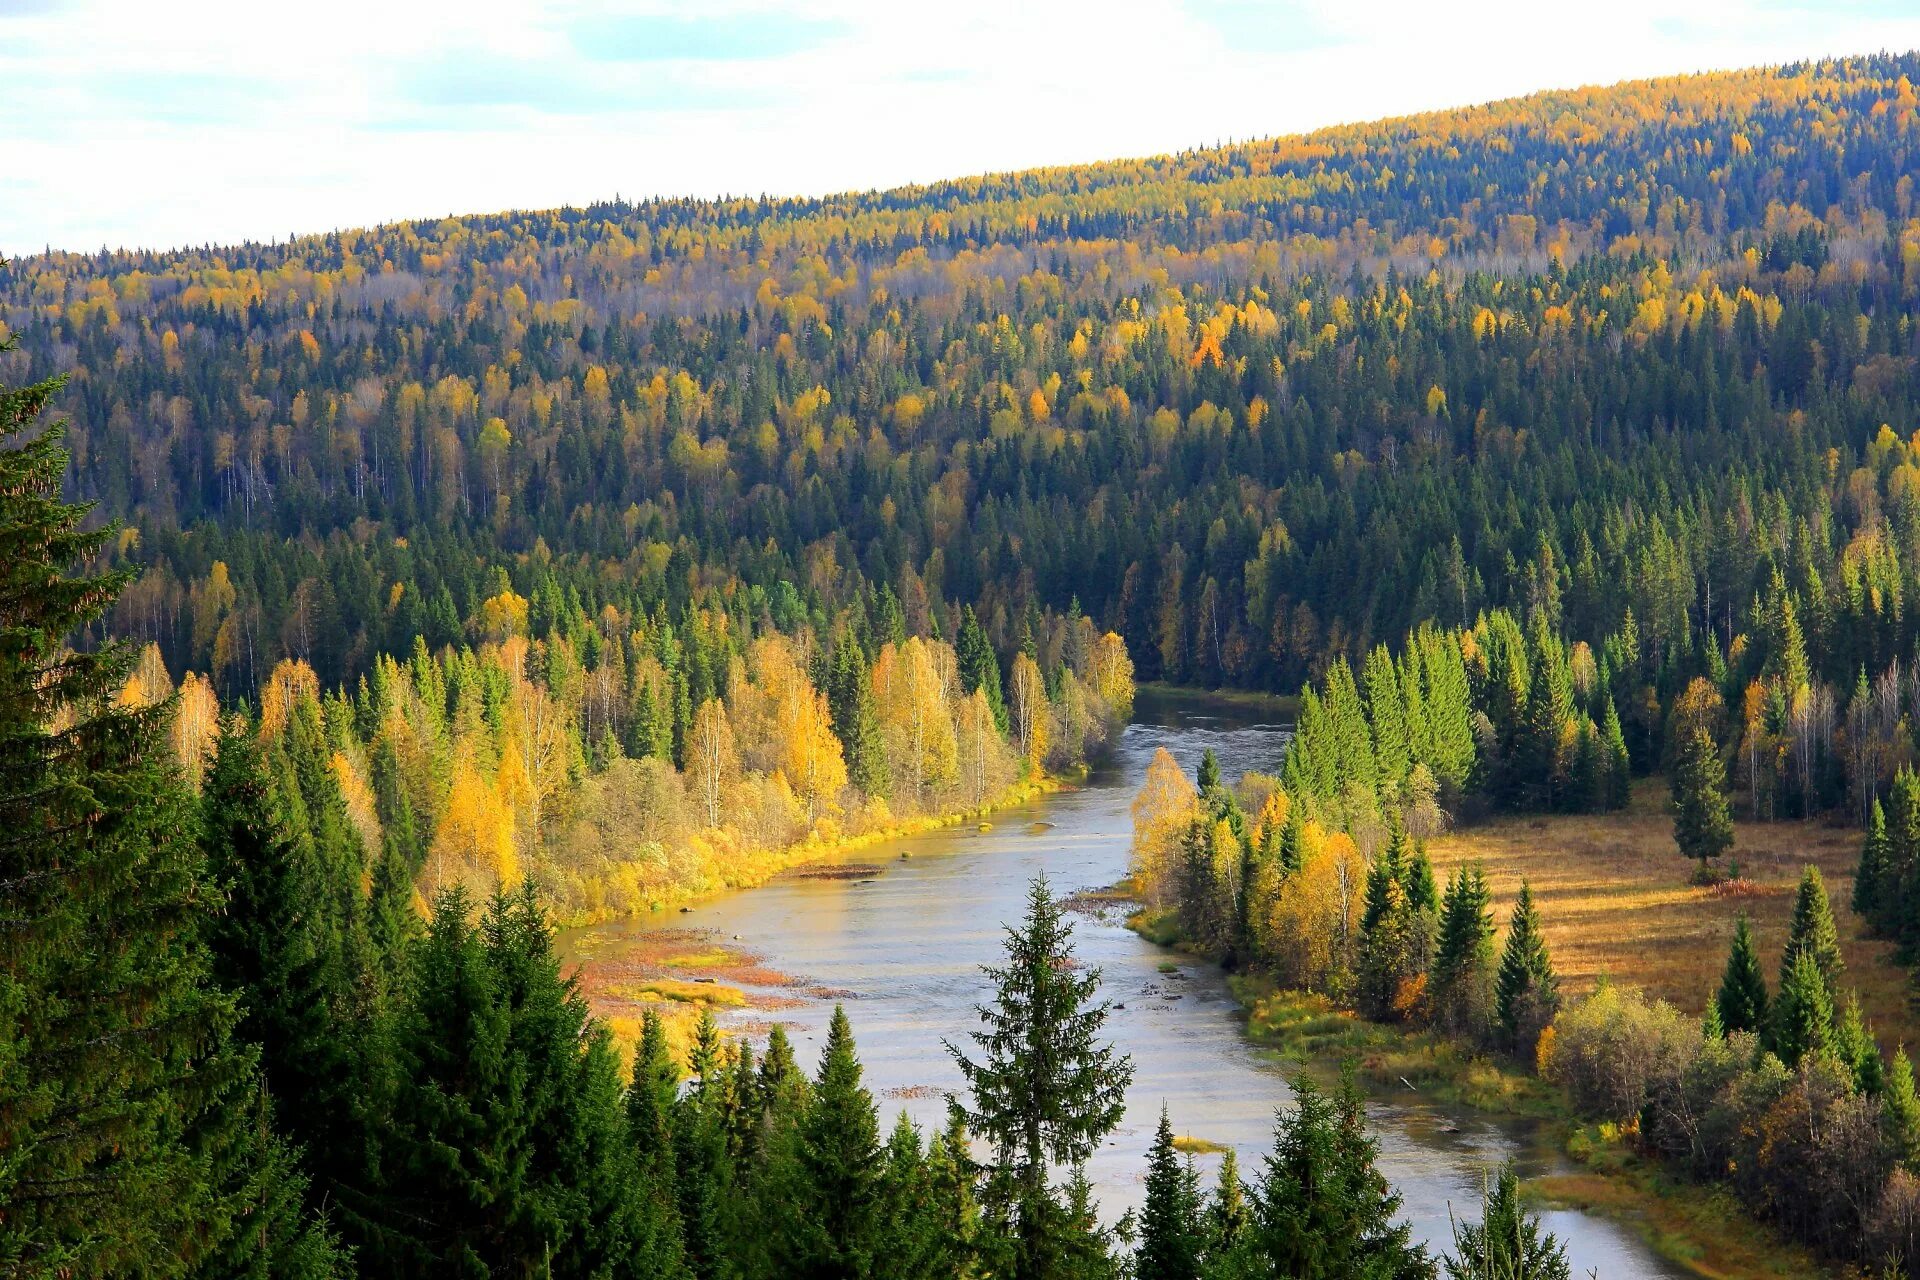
<point>901,934</point>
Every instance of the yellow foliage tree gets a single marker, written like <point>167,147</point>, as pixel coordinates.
<point>1162,813</point>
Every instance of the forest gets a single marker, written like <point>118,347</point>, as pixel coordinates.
<point>376,599</point>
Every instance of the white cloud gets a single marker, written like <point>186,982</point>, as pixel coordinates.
<point>143,124</point>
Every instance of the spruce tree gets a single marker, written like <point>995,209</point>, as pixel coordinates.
<point>1171,1243</point>
<point>1900,1110</point>
<point>1507,1243</point>
<point>1619,770</point>
<point>1526,992</point>
<point>1873,865</point>
<point>1854,1045</point>
<point>979,665</point>
<point>1209,780</point>
<point>1320,1209</point>
<point>1802,1021</point>
<point>856,722</point>
<point>1813,930</point>
<point>1045,1088</point>
<point>832,1205</point>
<point>1463,964</point>
<point>118,1076</point>
<point>1227,1209</point>
<point>1702,822</point>
<point>1742,1001</point>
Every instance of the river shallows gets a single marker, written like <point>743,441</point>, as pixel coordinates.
<point>902,945</point>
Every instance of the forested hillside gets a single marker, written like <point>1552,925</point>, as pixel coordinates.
<point>582,560</point>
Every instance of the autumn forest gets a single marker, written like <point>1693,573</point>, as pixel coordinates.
<point>375,602</point>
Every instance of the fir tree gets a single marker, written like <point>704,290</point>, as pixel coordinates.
<point>1526,991</point>
<point>856,723</point>
<point>1209,780</point>
<point>1812,930</point>
<point>1802,1020</point>
<point>1900,1110</point>
<point>1702,822</point>
<point>1227,1210</point>
<point>1507,1243</point>
<point>1742,1001</point>
<point>1320,1209</point>
<point>979,665</point>
<point>1619,770</point>
<point>1045,1089</point>
<point>1463,964</point>
<point>1853,1044</point>
<point>1171,1243</point>
<point>117,1073</point>
<point>832,1205</point>
<point>1873,865</point>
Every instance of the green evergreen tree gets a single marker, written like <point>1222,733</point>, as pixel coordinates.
<point>1507,1243</point>
<point>1702,822</point>
<point>1045,1089</point>
<point>1209,779</point>
<point>1803,1012</point>
<point>1227,1209</point>
<point>1320,1209</point>
<point>832,1205</point>
<point>1742,1001</point>
<point>1854,1045</point>
<point>1171,1241</point>
<point>979,665</point>
<point>1873,865</point>
<point>856,722</point>
<point>1526,991</point>
<point>121,1089</point>
<point>1462,976</point>
<point>1619,770</point>
<point>1812,930</point>
<point>1900,1110</point>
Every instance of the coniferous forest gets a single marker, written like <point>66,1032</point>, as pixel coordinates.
<point>373,602</point>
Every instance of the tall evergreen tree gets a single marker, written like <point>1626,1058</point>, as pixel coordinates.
<point>1462,975</point>
<point>1045,1088</point>
<point>120,1085</point>
<point>1320,1209</point>
<point>1900,1110</point>
<point>1702,822</point>
<point>1742,1000</point>
<point>832,1205</point>
<point>1526,991</point>
<point>1803,1012</point>
<point>1171,1240</point>
<point>1873,865</point>
<point>1619,771</point>
<point>979,665</point>
<point>1812,930</point>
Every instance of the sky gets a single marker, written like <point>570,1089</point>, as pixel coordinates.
<point>150,125</point>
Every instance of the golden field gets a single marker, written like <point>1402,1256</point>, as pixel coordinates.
<point>1614,895</point>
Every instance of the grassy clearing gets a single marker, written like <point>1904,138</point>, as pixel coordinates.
<point>647,990</point>
<point>1614,897</point>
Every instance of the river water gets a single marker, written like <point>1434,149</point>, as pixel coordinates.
<point>901,944</point>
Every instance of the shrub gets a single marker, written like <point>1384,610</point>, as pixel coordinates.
<point>1614,1047</point>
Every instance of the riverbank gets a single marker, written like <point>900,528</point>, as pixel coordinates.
<point>1697,1226</point>
<point>756,867</point>
<point>1282,706</point>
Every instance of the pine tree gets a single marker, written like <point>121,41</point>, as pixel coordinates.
<point>1463,963</point>
<point>1619,771</point>
<point>1898,887</point>
<point>1320,1209</point>
<point>1900,1110</point>
<point>1702,822</point>
<point>1170,1238</point>
<point>1045,1089</point>
<point>832,1205</point>
<point>1813,930</point>
<point>1227,1209</point>
<point>908,1240</point>
<point>1803,1012</point>
<point>1209,780</point>
<point>856,722</point>
<point>1526,992</point>
<point>1742,1001</point>
<point>1423,894</point>
<point>1853,1044</point>
<point>1507,1243</point>
<point>979,665</point>
<point>114,1045</point>
<point>1873,865</point>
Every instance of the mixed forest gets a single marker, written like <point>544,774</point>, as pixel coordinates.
<point>434,580</point>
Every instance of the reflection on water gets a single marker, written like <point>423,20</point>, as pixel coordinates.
<point>904,945</point>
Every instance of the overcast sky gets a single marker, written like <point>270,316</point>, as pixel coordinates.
<point>154,124</point>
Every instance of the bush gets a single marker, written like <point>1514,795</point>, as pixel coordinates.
<point>1614,1048</point>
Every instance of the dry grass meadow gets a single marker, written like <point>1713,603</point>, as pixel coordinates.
<point>1614,896</point>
